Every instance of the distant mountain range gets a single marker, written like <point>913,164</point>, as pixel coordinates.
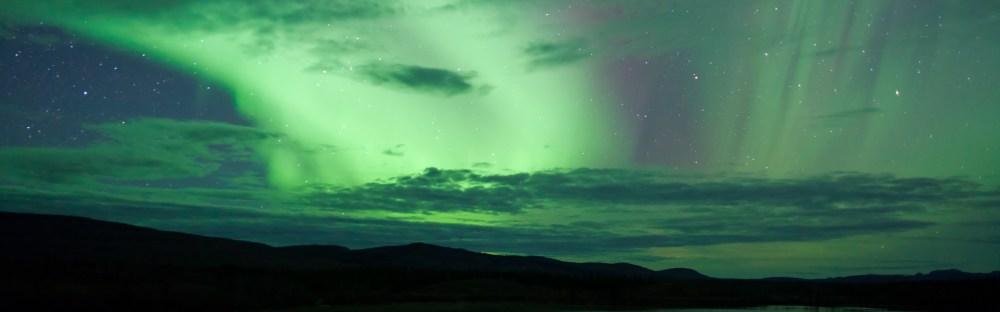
<point>936,275</point>
<point>59,263</point>
<point>55,238</point>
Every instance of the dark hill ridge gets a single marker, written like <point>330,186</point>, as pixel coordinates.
<point>681,273</point>
<point>427,256</point>
<point>937,275</point>
<point>60,263</point>
<point>36,238</point>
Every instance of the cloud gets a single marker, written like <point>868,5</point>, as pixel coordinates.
<point>851,113</point>
<point>433,191</point>
<point>194,137</point>
<point>614,211</point>
<point>329,52</point>
<point>271,24</point>
<point>549,54</point>
<point>143,149</point>
<point>682,211</point>
<point>311,227</point>
<point>235,13</point>
<point>56,165</point>
<point>618,186</point>
<point>321,11</point>
<point>418,78</point>
<point>396,150</point>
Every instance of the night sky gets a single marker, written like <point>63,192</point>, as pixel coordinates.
<point>738,138</point>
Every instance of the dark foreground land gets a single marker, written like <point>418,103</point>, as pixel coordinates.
<point>59,263</point>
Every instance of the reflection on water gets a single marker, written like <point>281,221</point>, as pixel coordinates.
<point>769,308</point>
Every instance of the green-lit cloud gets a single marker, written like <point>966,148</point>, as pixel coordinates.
<point>395,150</point>
<point>548,54</point>
<point>215,14</point>
<point>53,165</point>
<point>709,212</point>
<point>168,133</point>
<point>417,78</point>
<point>619,213</point>
<point>142,149</point>
<point>851,113</point>
<point>839,194</point>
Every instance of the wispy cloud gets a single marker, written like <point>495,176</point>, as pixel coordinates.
<point>617,186</point>
<point>555,53</point>
<point>620,211</point>
<point>396,150</point>
<point>850,113</point>
<point>126,176</point>
<point>143,149</point>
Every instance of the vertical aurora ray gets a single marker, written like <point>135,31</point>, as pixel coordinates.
<point>792,88</point>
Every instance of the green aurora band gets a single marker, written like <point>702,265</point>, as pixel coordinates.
<point>312,82</point>
<point>766,80</point>
<point>369,91</point>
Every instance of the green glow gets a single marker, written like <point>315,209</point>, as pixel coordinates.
<point>764,94</point>
<point>339,123</point>
<point>352,98</point>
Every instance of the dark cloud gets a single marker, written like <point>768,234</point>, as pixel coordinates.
<point>321,11</point>
<point>144,149</point>
<point>689,211</point>
<point>133,7</point>
<point>394,151</point>
<point>59,165</point>
<point>277,22</point>
<point>213,14</point>
<point>880,267</point>
<point>613,186</point>
<point>610,185</point>
<point>549,54</point>
<point>851,113</point>
<point>671,211</point>
<point>271,22</point>
<point>171,133</point>
<point>434,190</point>
<point>329,53</point>
<point>294,228</point>
<point>840,50</point>
<point>418,78</point>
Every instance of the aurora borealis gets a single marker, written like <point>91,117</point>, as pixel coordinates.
<point>738,138</point>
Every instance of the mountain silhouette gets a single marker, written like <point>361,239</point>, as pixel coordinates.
<point>54,239</point>
<point>681,273</point>
<point>59,263</point>
<point>37,238</point>
<point>937,275</point>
